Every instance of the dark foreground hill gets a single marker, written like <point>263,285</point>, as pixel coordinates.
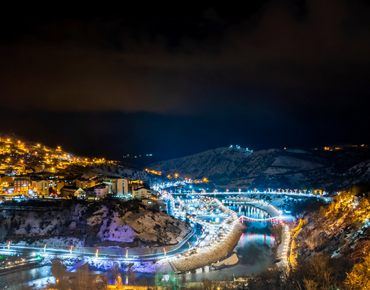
<point>330,247</point>
<point>81,223</point>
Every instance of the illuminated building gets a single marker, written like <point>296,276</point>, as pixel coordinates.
<point>71,191</point>
<point>21,185</point>
<point>116,185</point>
<point>41,186</point>
<point>142,193</point>
<point>97,191</point>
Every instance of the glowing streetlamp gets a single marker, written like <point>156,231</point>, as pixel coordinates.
<point>8,245</point>
<point>97,253</point>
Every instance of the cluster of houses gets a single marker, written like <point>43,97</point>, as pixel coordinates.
<point>64,187</point>
<point>17,157</point>
<point>36,170</point>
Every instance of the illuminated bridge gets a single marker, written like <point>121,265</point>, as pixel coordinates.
<point>244,208</point>
<point>253,209</point>
<point>326,198</point>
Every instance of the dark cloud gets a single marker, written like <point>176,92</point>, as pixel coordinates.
<point>285,65</point>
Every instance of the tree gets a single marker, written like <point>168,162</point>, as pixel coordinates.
<point>83,281</point>
<point>115,271</point>
<point>28,228</point>
<point>130,273</point>
<point>309,284</point>
<point>359,277</point>
<point>207,284</point>
<point>58,269</point>
<point>277,230</point>
<point>3,233</point>
<point>273,278</point>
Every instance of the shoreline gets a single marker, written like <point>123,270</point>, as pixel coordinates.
<point>220,251</point>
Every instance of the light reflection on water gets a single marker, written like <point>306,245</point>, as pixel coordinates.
<point>25,276</point>
<point>254,250</point>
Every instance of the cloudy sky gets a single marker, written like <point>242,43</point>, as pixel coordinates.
<point>174,80</point>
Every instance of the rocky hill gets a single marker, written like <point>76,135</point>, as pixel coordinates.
<point>234,168</point>
<point>212,163</point>
<point>330,247</point>
<point>79,223</point>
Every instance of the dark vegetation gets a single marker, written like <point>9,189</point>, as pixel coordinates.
<point>332,248</point>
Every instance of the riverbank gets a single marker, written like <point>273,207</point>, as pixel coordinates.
<point>210,254</point>
<point>282,252</point>
<point>228,262</point>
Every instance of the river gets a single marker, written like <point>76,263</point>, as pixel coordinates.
<point>253,248</point>
<point>25,276</point>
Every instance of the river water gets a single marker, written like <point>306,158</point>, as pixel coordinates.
<point>25,276</point>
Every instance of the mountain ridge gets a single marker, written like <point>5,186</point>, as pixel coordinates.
<point>237,168</point>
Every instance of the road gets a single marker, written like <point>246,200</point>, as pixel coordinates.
<point>104,253</point>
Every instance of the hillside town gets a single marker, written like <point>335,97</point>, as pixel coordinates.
<point>36,170</point>
<point>170,219</point>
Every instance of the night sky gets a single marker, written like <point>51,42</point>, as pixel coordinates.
<point>172,80</point>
